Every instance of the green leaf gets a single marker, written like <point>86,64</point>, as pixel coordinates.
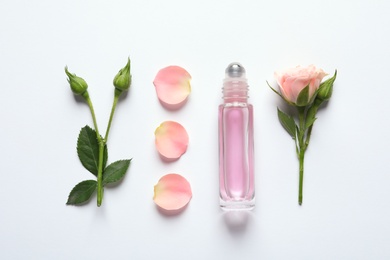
<point>303,97</point>
<point>288,123</point>
<point>88,150</point>
<point>82,192</point>
<point>115,171</point>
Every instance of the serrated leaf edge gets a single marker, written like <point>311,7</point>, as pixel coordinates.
<point>116,180</point>
<point>78,149</point>
<point>78,184</point>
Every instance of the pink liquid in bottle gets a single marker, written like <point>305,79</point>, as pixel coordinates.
<point>236,166</point>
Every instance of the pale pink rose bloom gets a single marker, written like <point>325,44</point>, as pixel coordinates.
<point>172,192</point>
<point>294,80</point>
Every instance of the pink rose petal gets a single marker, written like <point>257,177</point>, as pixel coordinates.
<point>172,192</point>
<point>294,80</point>
<point>172,85</point>
<point>171,139</point>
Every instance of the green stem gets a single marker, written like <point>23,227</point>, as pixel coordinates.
<point>301,164</point>
<point>302,149</point>
<point>116,98</point>
<point>101,149</point>
<point>100,175</point>
<point>89,102</point>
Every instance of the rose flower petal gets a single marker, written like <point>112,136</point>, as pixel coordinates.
<point>172,192</point>
<point>294,80</point>
<point>172,85</point>
<point>171,140</point>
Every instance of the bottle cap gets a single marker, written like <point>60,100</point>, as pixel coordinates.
<point>235,86</point>
<point>235,70</point>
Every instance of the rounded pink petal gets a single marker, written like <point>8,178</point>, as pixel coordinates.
<point>172,85</point>
<point>171,139</point>
<point>172,192</point>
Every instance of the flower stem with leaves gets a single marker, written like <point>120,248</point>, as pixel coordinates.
<point>307,107</point>
<point>92,147</point>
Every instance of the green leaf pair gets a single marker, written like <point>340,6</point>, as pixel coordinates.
<point>88,152</point>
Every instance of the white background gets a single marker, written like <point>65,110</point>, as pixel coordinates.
<point>346,209</point>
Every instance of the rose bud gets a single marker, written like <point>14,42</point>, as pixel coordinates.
<point>326,89</point>
<point>122,80</point>
<point>77,84</point>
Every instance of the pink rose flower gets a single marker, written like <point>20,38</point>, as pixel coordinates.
<point>293,81</point>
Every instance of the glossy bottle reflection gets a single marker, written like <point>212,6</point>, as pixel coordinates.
<point>236,167</point>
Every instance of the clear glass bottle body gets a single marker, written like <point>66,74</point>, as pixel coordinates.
<point>236,164</point>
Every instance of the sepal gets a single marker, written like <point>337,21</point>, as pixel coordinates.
<point>280,95</point>
<point>303,97</point>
